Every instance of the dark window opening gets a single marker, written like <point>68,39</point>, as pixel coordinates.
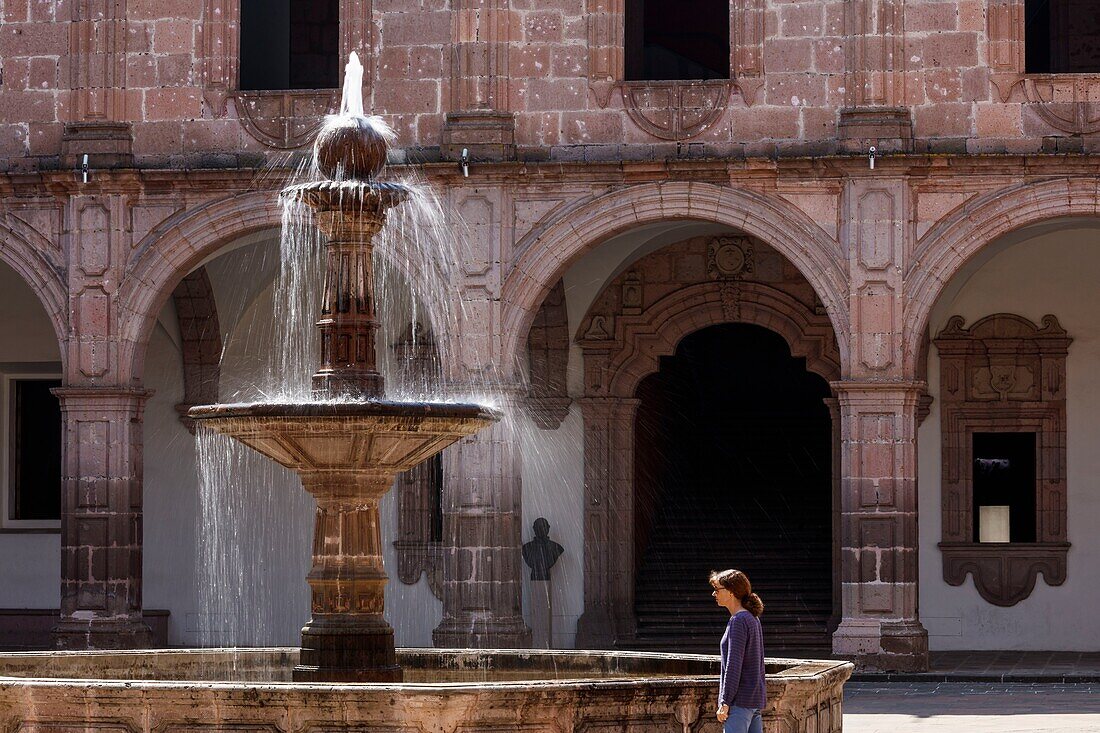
<point>34,445</point>
<point>1061,37</point>
<point>435,481</point>
<point>290,44</point>
<point>687,39</point>
<point>1004,482</point>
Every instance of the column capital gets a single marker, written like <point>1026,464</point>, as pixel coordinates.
<point>859,386</point>
<point>102,398</point>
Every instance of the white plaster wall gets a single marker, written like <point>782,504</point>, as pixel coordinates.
<point>31,567</point>
<point>1031,274</point>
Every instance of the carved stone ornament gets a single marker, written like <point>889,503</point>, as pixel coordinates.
<point>285,120</point>
<point>1003,374</point>
<point>675,110</point>
<point>730,258</point>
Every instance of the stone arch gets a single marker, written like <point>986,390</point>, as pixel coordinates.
<point>614,366</point>
<point>168,253</point>
<point>657,332</point>
<point>25,251</point>
<point>546,252</point>
<point>947,246</point>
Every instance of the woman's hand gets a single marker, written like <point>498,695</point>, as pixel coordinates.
<point>723,713</point>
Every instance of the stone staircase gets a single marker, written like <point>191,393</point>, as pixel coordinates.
<point>787,559</point>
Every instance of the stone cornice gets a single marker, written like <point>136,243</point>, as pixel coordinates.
<point>825,170</point>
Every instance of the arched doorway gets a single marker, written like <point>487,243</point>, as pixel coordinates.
<point>732,468</point>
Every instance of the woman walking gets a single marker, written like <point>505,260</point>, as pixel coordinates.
<point>741,693</point>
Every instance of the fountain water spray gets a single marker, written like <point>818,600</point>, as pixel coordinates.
<point>348,443</point>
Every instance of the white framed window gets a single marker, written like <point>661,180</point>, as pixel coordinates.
<point>30,448</point>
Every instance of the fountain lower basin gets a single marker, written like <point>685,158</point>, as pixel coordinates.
<point>447,691</point>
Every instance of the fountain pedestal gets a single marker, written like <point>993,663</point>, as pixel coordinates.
<point>347,639</point>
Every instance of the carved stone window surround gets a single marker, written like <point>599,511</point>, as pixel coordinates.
<point>674,109</point>
<point>282,119</point>
<point>1066,102</point>
<point>1003,374</point>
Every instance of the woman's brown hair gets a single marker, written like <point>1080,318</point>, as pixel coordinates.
<point>738,584</point>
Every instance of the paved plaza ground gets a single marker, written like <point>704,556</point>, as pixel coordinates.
<point>970,707</point>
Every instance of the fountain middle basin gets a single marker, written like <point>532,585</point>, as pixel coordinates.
<point>447,691</point>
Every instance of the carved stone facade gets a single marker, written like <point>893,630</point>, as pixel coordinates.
<point>183,165</point>
<point>1004,375</point>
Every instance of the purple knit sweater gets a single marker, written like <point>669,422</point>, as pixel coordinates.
<point>742,682</point>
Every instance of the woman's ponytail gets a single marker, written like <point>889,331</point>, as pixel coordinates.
<point>753,604</point>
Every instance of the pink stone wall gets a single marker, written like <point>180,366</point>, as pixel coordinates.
<point>166,67</point>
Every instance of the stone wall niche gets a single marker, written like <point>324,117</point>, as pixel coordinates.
<point>1003,375</point>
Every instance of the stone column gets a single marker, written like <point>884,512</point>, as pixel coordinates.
<point>101,540</point>
<point>880,628</point>
<point>481,533</point>
<point>608,617</point>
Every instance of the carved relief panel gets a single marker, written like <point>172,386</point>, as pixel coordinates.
<point>1004,379</point>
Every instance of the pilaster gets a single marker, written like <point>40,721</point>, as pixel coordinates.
<point>101,519</point>
<point>608,619</point>
<point>875,113</point>
<point>482,585</point>
<point>479,119</point>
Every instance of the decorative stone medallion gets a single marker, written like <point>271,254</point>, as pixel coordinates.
<point>730,258</point>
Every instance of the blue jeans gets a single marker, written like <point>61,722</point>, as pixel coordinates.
<point>743,720</point>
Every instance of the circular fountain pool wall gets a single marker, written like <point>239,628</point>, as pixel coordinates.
<point>446,691</point>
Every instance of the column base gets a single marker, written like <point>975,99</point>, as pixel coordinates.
<point>347,652</point>
<point>884,647</point>
<point>469,632</point>
<point>80,634</point>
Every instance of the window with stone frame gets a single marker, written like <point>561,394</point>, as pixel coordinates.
<point>687,85</point>
<point>32,452</point>
<point>1062,36</point>
<point>278,62</point>
<point>689,39</point>
<point>1003,432</point>
<point>1046,54</point>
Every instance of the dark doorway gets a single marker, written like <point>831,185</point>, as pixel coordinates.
<point>733,457</point>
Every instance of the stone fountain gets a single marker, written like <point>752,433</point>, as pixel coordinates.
<point>347,444</point>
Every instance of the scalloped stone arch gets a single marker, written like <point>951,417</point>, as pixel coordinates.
<point>24,251</point>
<point>946,247</point>
<point>645,338</point>
<point>548,251</point>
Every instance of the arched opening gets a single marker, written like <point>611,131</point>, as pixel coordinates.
<point>30,465</point>
<point>733,468</point>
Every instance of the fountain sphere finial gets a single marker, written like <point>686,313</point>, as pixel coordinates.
<point>351,148</point>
